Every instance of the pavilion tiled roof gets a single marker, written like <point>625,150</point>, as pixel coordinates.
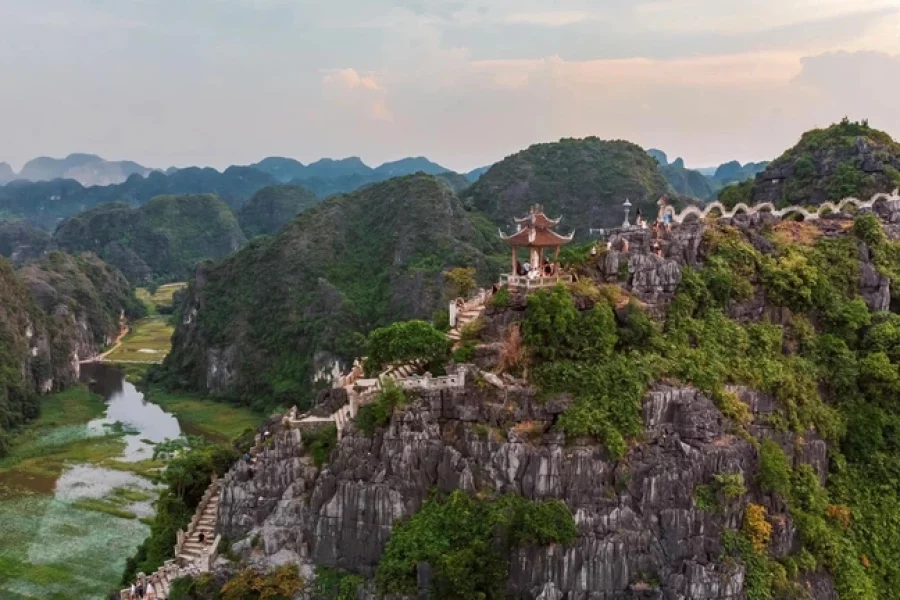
<point>538,219</point>
<point>536,230</point>
<point>536,237</point>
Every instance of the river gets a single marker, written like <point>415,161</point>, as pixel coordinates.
<point>68,522</point>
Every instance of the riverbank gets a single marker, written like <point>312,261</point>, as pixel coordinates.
<point>77,489</point>
<point>70,507</point>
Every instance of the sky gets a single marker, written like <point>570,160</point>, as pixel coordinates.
<point>464,82</point>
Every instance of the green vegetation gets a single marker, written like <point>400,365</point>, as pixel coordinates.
<point>50,307</point>
<point>405,341</point>
<point>732,195</point>
<point>58,436</point>
<point>575,353</point>
<point>462,281</point>
<point>332,584</point>
<point>52,546</point>
<point>501,298</point>
<point>160,299</point>
<point>102,506</point>
<point>186,478</point>
<point>272,208</point>
<point>456,536</point>
<point>213,419</point>
<point>320,443</point>
<point>21,239</point>
<point>342,268</point>
<point>149,341</point>
<point>18,400</point>
<point>283,583</point>
<point>378,413</point>
<point>833,370</point>
<point>585,180</point>
<point>162,240</point>
<point>725,488</point>
<point>45,203</point>
<point>686,182</point>
<point>827,164</point>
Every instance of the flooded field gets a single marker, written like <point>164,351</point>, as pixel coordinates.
<point>75,489</point>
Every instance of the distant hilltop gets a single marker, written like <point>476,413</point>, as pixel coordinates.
<point>87,169</point>
<point>326,175</point>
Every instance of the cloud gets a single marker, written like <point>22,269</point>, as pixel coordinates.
<point>359,95</point>
<point>462,81</point>
<point>350,79</point>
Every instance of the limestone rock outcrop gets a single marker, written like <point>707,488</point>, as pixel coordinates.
<point>638,519</point>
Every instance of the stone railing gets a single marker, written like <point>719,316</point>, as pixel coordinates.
<point>528,284</point>
<point>181,536</point>
<point>210,554</point>
<point>460,305</point>
<point>356,373</point>
<point>427,382</point>
<point>741,208</point>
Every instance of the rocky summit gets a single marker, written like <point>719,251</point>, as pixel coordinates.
<point>696,457</point>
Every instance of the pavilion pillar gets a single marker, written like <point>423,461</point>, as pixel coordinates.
<point>514,271</point>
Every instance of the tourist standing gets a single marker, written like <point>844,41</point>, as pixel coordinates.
<point>133,593</point>
<point>151,592</point>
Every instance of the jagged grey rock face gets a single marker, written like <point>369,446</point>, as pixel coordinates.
<point>641,532</point>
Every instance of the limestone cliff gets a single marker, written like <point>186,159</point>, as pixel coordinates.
<point>260,324</point>
<point>54,313</point>
<point>845,159</point>
<point>638,519</point>
<point>645,529</point>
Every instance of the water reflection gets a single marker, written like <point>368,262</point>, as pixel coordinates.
<point>143,422</point>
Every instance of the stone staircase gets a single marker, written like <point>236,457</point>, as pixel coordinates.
<point>195,550</point>
<point>403,371</point>
<point>199,539</point>
<point>463,312</point>
<point>360,391</point>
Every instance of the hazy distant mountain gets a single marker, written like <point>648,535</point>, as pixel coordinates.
<point>734,172</point>
<point>408,166</point>
<point>659,155</point>
<point>6,173</point>
<point>329,168</point>
<point>475,174</point>
<point>282,169</point>
<point>45,203</point>
<point>353,172</point>
<point>703,182</point>
<point>87,169</point>
<point>687,182</point>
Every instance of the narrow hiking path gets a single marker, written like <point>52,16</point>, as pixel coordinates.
<point>102,357</point>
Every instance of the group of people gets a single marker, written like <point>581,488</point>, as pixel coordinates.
<point>138,591</point>
<point>548,269</point>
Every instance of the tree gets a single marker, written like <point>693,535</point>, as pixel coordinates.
<point>462,280</point>
<point>406,341</point>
